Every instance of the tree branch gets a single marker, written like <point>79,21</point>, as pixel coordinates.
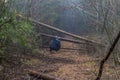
<point>41,76</point>
<point>8,21</point>
<point>107,56</point>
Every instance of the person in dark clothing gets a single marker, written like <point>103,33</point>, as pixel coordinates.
<point>55,45</point>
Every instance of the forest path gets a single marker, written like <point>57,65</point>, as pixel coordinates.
<point>65,64</point>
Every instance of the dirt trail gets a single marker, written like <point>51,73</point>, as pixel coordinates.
<point>64,64</point>
<point>67,65</point>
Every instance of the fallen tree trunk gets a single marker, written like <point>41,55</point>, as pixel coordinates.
<point>59,30</point>
<point>41,76</point>
<point>64,39</point>
<point>67,48</point>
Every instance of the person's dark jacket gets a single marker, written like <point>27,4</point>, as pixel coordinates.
<point>55,45</point>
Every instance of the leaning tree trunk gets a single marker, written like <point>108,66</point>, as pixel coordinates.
<point>107,56</point>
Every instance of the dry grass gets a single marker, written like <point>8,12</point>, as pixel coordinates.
<point>67,65</point>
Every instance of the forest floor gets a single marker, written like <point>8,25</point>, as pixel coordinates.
<point>64,64</point>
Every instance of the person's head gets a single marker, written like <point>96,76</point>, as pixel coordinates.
<point>56,37</point>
